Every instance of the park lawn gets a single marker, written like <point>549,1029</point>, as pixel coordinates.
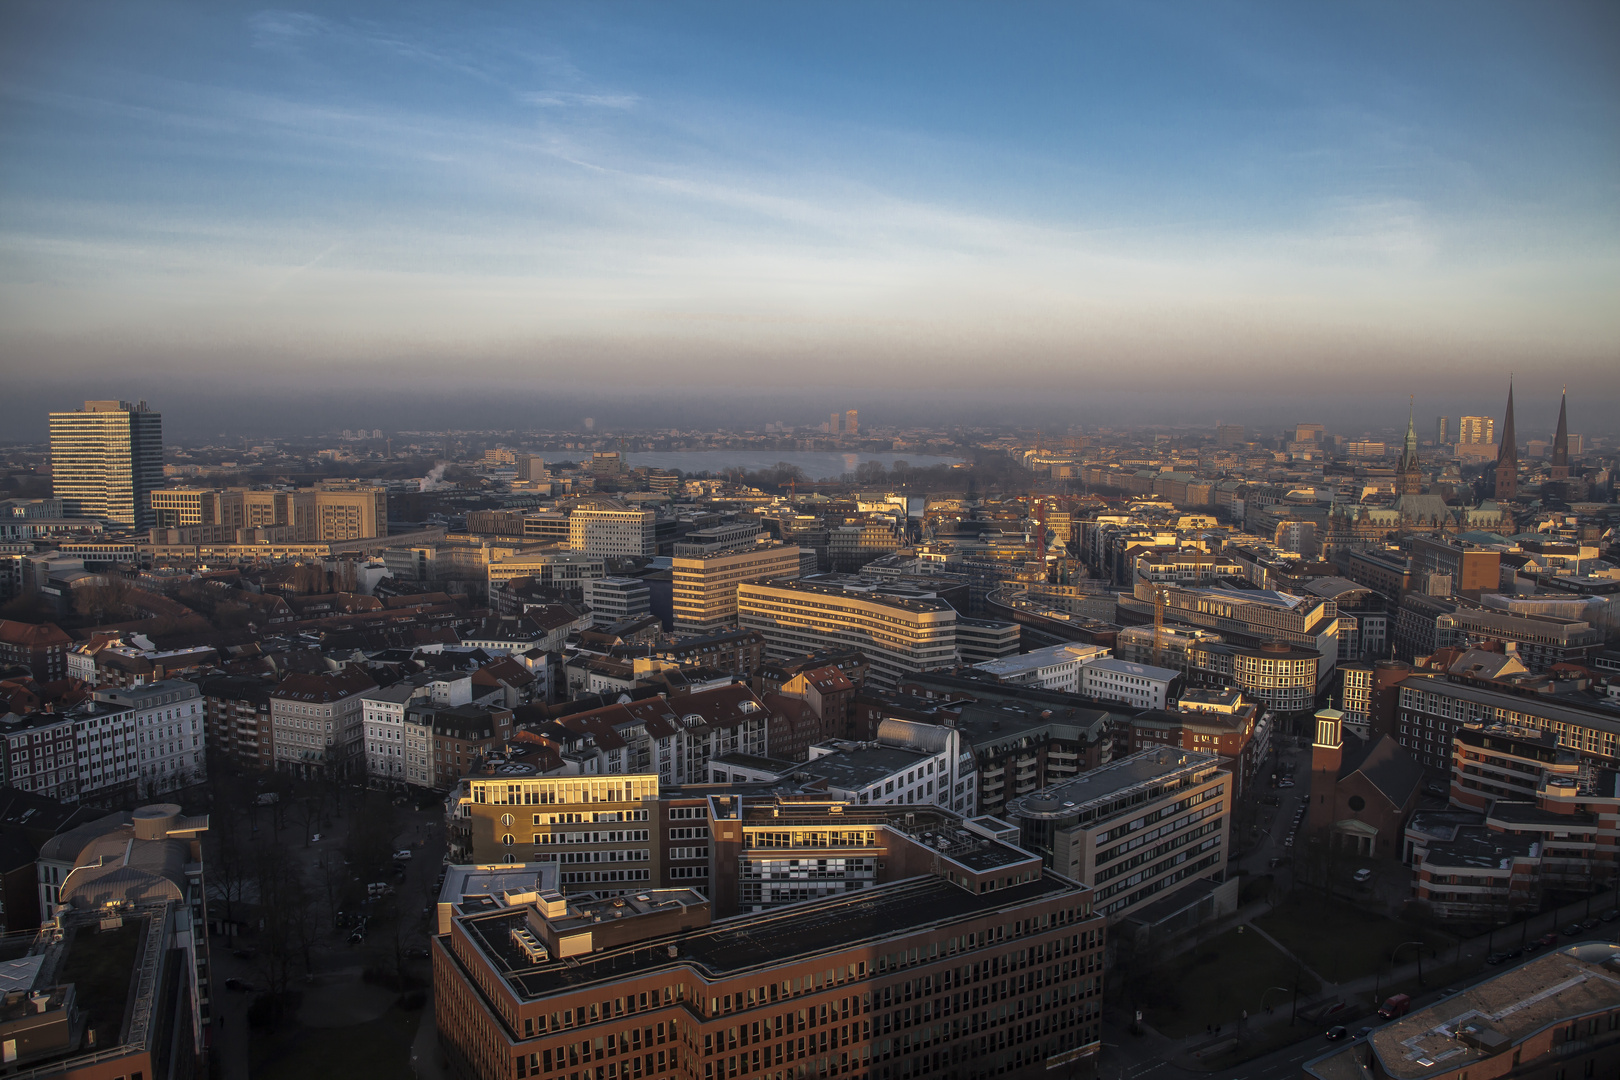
<point>380,1047</point>
<point>1340,941</point>
<point>1217,981</point>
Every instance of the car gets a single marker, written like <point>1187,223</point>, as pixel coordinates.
<point>1546,940</point>
<point>1288,842</point>
<point>1574,929</point>
<point>1396,1005</point>
<point>357,937</point>
<point>1285,783</point>
<point>1610,915</point>
<point>417,953</point>
<point>1496,958</point>
<point>1514,954</point>
<point>1363,1032</point>
<point>239,986</point>
<point>402,854</point>
<point>245,954</point>
<point>1363,875</point>
<point>315,838</point>
<point>1337,1032</point>
<point>1590,924</point>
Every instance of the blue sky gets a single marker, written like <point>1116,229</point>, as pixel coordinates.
<point>1297,198</point>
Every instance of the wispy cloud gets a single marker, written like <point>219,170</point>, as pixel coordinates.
<point>563,99</point>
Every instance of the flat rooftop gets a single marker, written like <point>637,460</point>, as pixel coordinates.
<point>760,940</point>
<point>858,768</point>
<point>1488,1018</point>
<point>1142,769</point>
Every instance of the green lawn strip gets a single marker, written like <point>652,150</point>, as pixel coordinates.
<point>1340,941</point>
<point>1217,981</point>
<point>380,1047</point>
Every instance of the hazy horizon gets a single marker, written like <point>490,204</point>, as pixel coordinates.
<point>1144,212</point>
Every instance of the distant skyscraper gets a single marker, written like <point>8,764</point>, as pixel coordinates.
<point>832,425</point>
<point>1507,459</point>
<point>1480,430</point>
<point>1559,469</point>
<point>1442,428</point>
<point>852,422</point>
<point>106,459</point>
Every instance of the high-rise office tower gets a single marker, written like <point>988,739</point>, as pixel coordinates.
<point>852,423</point>
<point>1476,430</point>
<point>106,459</point>
<point>833,424</point>
<point>1442,428</point>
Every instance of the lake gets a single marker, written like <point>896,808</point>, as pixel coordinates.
<point>817,464</point>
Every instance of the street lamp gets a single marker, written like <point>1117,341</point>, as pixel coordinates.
<point>1403,945</point>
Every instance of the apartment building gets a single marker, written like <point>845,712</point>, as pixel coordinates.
<point>898,636</point>
<point>924,976</point>
<point>170,740</point>
<point>705,587</point>
<point>673,737</point>
<point>612,530</point>
<point>106,460</point>
<point>42,648</point>
<point>463,735</point>
<point>1134,829</point>
<point>317,723</point>
<point>330,512</point>
<point>236,711</point>
<point>41,754</point>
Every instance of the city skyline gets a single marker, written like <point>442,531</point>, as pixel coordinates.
<point>714,200</point>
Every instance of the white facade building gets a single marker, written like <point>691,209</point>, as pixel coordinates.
<point>1053,668</point>
<point>153,733</point>
<point>1140,686</point>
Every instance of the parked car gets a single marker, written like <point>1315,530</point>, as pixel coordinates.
<point>1396,1005</point>
<point>1496,958</point>
<point>1574,929</point>
<point>1610,915</point>
<point>1546,940</point>
<point>1363,875</point>
<point>1590,924</point>
<point>238,985</point>
<point>1285,783</point>
<point>315,838</point>
<point>402,854</point>
<point>245,954</point>
<point>1337,1032</point>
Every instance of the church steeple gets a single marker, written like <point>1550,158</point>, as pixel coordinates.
<point>1560,454</point>
<point>1409,476</point>
<point>1507,459</point>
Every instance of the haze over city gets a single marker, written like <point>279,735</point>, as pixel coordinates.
<point>1101,204</point>
<point>705,540</point>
